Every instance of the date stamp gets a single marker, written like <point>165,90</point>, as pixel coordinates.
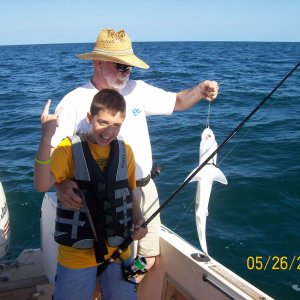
<point>275,263</point>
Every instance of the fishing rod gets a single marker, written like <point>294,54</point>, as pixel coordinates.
<point>129,240</point>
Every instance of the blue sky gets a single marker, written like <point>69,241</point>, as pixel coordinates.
<point>68,21</point>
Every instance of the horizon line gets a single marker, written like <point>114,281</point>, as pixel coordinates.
<point>167,41</point>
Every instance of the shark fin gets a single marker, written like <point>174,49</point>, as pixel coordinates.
<point>209,172</point>
<point>219,176</point>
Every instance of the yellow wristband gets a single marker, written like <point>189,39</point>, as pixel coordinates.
<point>42,162</point>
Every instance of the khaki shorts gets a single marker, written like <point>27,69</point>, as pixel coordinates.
<point>149,203</point>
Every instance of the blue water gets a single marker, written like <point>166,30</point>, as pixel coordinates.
<point>257,214</point>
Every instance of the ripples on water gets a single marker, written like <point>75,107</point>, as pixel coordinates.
<point>256,214</point>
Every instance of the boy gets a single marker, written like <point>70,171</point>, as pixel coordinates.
<point>88,236</point>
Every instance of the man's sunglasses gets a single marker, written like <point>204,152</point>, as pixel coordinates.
<point>123,68</point>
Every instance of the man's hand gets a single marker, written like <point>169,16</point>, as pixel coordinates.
<point>139,231</point>
<point>186,99</point>
<point>67,196</point>
<point>208,90</point>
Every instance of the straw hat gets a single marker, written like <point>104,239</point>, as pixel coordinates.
<point>114,46</point>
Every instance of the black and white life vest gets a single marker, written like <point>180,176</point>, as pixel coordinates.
<point>107,196</point>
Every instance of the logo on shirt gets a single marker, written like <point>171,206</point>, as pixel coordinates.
<point>136,111</point>
<point>102,162</point>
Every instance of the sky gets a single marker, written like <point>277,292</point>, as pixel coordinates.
<point>80,21</point>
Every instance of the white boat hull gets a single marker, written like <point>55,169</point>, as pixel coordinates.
<point>4,224</point>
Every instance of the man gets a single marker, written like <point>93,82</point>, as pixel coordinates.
<point>113,59</point>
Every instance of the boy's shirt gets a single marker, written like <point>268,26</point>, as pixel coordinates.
<point>62,168</point>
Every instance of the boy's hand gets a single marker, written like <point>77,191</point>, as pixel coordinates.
<point>49,121</point>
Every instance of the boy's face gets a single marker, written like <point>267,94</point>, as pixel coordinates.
<point>104,126</point>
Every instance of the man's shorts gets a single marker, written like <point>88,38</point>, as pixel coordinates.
<point>148,199</point>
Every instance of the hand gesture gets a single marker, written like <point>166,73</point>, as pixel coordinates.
<point>49,121</point>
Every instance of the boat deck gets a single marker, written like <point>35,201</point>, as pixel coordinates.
<point>181,272</point>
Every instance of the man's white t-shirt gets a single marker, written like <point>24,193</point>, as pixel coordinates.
<point>141,99</point>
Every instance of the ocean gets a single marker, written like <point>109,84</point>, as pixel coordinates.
<point>254,218</point>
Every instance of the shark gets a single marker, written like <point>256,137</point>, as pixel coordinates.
<point>205,178</point>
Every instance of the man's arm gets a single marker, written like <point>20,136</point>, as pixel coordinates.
<point>66,194</point>
<point>188,98</point>
<point>137,220</point>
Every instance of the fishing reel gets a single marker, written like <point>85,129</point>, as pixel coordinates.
<point>136,268</point>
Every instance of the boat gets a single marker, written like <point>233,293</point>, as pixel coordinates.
<point>4,224</point>
<point>181,272</point>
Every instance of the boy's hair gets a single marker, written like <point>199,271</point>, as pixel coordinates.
<point>108,99</point>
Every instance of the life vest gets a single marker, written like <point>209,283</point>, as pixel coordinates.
<point>107,195</point>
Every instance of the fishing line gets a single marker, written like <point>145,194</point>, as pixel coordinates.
<point>129,240</point>
<point>208,116</point>
<point>183,215</point>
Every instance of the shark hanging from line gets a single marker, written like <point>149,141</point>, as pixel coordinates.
<point>205,177</point>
